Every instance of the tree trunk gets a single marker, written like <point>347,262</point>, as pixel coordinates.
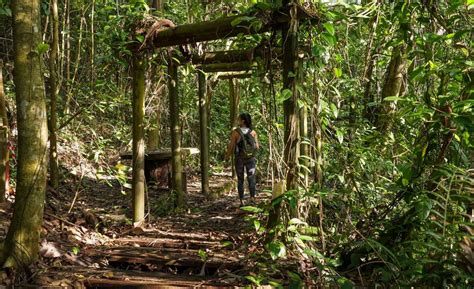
<point>22,241</point>
<point>53,71</point>
<point>234,111</point>
<point>234,102</point>
<point>154,132</point>
<point>138,179</point>
<point>4,156</point>
<point>318,156</point>
<point>290,70</point>
<point>392,87</point>
<point>204,137</point>
<point>177,163</point>
<point>304,146</point>
<point>290,67</point>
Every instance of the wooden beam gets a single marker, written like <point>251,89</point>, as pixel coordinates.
<point>228,56</point>
<point>204,129</point>
<point>227,67</point>
<point>223,28</point>
<point>235,75</point>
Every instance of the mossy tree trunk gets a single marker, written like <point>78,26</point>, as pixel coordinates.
<point>392,87</point>
<point>4,155</point>
<point>22,242</point>
<point>138,179</point>
<point>53,71</point>
<point>177,162</point>
<point>204,132</point>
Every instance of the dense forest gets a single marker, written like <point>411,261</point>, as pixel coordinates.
<point>351,120</point>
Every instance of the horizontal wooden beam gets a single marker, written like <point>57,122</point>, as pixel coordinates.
<point>228,56</point>
<point>221,28</point>
<point>226,67</point>
<point>236,75</point>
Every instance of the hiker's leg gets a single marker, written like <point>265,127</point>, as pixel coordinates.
<point>251,167</point>
<point>239,170</point>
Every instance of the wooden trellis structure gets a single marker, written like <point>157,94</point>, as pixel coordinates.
<point>236,65</point>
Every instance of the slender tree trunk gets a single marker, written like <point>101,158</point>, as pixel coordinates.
<point>290,67</point>
<point>154,131</point>
<point>92,59</point>
<point>53,71</point>
<point>392,87</point>
<point>4,156</point>
<point>177,163</point>
<point>138,179</point>
<point>22,242</point>
<point>369,69</point>
<point>290,70</point>
<point>67,57</point>
<point>234,100</point>
<point>304,145</point>
<point>318,155</point>
<point>204,129</point>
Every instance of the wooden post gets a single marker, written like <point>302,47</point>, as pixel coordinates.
<point>204,129</point>
<point>176,163</point>
<point>138,162</point>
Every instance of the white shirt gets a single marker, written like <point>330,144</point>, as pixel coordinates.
<point>245,130</point>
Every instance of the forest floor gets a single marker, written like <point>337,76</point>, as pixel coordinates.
<point>90,243</point>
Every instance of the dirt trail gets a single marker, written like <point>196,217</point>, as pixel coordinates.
<point>95,247</point>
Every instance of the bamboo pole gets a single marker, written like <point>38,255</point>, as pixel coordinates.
<point>176,163</point>
<point>138,163</point>
<point>204,129</point>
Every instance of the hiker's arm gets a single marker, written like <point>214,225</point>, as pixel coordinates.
<point>231,147</point>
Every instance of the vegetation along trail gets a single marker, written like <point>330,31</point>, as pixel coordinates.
<point>242,144</point>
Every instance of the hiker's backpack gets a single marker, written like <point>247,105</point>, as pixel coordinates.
<point>249,144</point>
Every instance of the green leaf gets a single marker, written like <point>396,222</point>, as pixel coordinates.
<point>251,209</point>
<point>393,98</point>
<point>329,28</point>
<point>296,221</point>
<point>337,72</point>
<point>42,48</point>
<point>140,38</point>
<point>277,250</point>
<point>340,136</point>
<point>330,39</point>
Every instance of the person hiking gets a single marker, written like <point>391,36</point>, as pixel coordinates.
<point>243,144</point>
